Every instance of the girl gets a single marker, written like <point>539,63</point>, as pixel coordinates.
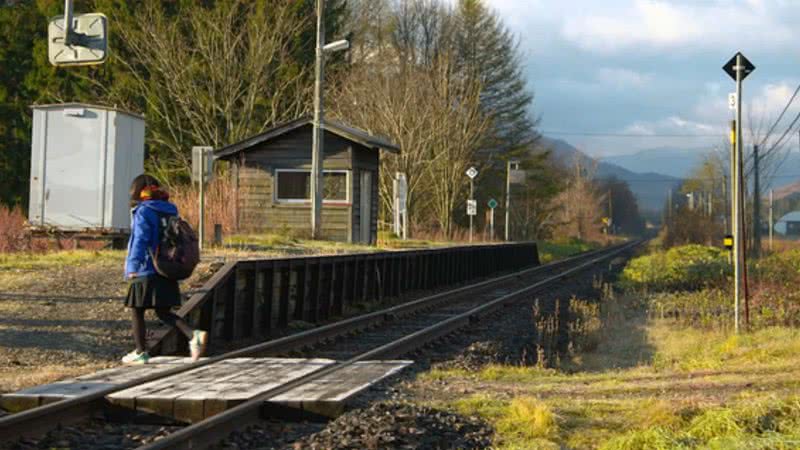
<point>148,289</point>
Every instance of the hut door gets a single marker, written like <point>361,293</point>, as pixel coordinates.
<point>365,208</point>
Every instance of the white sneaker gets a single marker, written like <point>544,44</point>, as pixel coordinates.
<point>135,357</point>
<point>198,343</point>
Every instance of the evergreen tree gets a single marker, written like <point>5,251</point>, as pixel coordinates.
<point>488,52</point>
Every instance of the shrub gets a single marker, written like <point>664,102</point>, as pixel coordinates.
<point>779,268</point>
<point>13,236</point>
<point>679,268</point>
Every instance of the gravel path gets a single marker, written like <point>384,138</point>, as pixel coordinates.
<point>74,323</point>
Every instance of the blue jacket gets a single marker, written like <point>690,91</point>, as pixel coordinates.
<point>145,236</point>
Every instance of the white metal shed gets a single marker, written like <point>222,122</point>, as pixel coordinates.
<point>83,159</point>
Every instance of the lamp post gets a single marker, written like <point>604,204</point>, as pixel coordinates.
<point>317,146</point>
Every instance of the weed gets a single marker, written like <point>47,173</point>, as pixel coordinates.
<point>481,404</point>
<point>650,439</point>
<point>555,250</point>
<point>13,237</point>
<point>528,418</point>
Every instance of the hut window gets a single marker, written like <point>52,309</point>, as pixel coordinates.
<point>294,186</point>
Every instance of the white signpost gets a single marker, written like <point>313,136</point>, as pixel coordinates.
<point>400,205</point>
<point>472,205</point>
<point>732,101</point>
<point>472,208</point>
<point>202,173</point>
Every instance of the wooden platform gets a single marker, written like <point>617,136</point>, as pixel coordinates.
<point>206,391</point>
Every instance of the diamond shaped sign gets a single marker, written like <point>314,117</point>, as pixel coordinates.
<point>492,204</point>
<point>730,66</point>
<point>472,172</point>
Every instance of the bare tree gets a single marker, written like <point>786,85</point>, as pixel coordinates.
<point>215,75</point>
<point>580,203</point>
<point>460,127</point>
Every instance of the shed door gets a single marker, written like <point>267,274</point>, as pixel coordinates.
<point>365,208</point>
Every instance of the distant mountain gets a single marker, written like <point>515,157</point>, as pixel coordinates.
<point>650,188</point>
<point>675,162</point>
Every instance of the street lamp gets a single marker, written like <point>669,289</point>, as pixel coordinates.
<point>337,46</point>
<point>317,150</point>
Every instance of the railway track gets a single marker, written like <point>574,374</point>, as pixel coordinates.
<point>384,334</point>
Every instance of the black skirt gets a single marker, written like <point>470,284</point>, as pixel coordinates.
<point>153,291</point>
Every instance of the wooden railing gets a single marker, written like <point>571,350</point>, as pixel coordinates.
<point>258,298</point>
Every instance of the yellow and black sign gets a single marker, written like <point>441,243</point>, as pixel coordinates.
<point>728,242</point>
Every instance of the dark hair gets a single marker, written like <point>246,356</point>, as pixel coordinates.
<point>139,183</point>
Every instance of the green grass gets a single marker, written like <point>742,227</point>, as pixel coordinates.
<point>649,384</point>
<point>554,250</point>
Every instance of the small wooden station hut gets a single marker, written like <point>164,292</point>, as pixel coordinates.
<point>272,178</point>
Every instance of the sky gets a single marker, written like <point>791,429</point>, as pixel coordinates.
<point>648,68</point>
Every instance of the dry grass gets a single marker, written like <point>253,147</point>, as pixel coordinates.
<point>220,205</point>
<point>647,384</point>
<point>13,237</point>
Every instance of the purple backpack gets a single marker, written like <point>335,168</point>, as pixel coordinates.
<point>178,252</point>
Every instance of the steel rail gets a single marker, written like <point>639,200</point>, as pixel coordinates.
<point>44,418</point>
<point>207,432</point>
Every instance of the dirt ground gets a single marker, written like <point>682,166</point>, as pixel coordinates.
<point>62,317</point>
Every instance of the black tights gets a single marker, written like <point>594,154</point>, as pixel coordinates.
<point>165,315</point>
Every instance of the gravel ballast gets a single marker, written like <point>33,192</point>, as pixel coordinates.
<point>400,426</point>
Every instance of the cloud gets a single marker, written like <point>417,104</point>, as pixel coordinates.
<point>762,106</point>
<point>672,125</point>
<point>661,24</point>
<point>623,78</point>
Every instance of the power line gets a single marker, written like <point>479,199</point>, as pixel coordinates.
<point>785,133</point>
<point>630,135</point>
<point>785,108</point>
<point>675,179</point>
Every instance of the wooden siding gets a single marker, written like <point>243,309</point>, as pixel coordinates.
<point>259,212</point>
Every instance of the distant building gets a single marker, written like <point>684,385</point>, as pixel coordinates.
<point>789,224</point>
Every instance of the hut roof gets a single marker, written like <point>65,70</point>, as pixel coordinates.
<point>347,132</point>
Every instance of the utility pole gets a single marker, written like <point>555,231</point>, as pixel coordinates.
<point>725,204</point>
<point>669,205</point>
<point>771,218</point>
<point>68,30</point>
<point>738,68</point>
<point>737,223</point>
<point>733,176</point>
<point>317,151</point>
<point>610,213</point>
<point>508,199</point>
<point>756,206</point>
<point>711,204</point>
<point>317,146</point>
